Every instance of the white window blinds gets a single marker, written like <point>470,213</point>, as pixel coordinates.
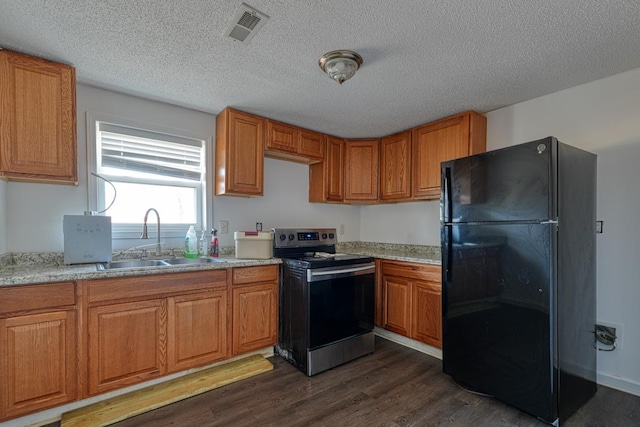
<point>134,150</point>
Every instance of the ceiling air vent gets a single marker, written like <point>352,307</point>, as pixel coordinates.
<point>245,24</point>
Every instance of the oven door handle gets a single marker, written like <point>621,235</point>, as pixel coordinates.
<point>333,273</point>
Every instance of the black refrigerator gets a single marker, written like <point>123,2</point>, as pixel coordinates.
<point>518,235</point>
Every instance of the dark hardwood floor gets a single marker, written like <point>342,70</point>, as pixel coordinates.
<point>395,386</point>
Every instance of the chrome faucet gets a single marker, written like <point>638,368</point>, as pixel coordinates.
<point>144,234</point>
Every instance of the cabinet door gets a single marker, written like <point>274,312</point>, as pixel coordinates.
<point>447,139</point>
<point>239,154</point>
<point>197,330</point>
<point>281,137</point>
<point>397,304</point>
<point>395,167</point>
<point>427,313</point>
<point>255,317</point>
<point>361,170</point>
<point>38,363</point>
<point>311,144</point>
<point>37,119</point>
<point>127,344</point>
<point>326,179</point>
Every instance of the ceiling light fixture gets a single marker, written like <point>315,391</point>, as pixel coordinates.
<point>340,65</point>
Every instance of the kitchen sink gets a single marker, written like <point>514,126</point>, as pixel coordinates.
<point>187,261</point>
<point>146,263</point>
<point>137,263</point>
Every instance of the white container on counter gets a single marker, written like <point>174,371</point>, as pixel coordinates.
<point>253,244</point>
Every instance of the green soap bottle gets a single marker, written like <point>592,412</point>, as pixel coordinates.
<point>191,243</point>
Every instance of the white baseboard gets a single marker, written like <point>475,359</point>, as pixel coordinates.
<point>617,383</point>
<point>408,342</point>
<point>603,378</point>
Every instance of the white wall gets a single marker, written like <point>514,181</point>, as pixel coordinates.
<point>285,204</point>
<point>602,117</point>
<point>34,212</point>
<point>415,223</point>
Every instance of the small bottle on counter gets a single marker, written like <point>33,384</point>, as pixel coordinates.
<point>213,249</point>
<point>191,243</point>
<point>203,245</point>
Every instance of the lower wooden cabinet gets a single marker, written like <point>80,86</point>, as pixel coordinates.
<point>255,308</point>
<point>38,347</point>
<point>126,330</point>
<point>127,344</point>
<point>197,330</point>
<point>411,300</point>
<point>38,364</point>
<point>140,328</point>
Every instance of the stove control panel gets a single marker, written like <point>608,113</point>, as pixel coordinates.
<point>303,237</point>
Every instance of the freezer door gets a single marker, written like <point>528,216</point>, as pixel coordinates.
<point>497,312</point>
<point>510,184</point>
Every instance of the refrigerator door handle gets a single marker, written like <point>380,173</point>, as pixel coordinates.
<point>447,207</point>
<point>447,214</point>
<point>551,221</point>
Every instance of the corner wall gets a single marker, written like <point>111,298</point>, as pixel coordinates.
<point>602,117</point>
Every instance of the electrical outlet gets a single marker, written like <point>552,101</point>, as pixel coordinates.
<point>224,227</point>
<point>599,225</point>
<point>618,330</point>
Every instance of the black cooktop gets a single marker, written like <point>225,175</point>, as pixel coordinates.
<point>327,260</point>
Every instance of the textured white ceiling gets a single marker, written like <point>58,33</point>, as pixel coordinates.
<point>423,59</point>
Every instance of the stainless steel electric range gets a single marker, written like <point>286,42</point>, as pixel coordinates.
<point>327,300</point>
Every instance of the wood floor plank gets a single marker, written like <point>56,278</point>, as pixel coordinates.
<point>144,400</point>
<point>393,387</point>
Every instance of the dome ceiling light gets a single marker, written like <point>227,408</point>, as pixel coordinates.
<point>340,65</point>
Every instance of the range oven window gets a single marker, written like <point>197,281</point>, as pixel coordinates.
<point>340,308</point>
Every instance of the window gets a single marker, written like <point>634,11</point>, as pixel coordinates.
<point>146,168</point>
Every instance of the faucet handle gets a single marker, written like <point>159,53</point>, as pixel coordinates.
<point>172,252</point>
<point>144,254</point>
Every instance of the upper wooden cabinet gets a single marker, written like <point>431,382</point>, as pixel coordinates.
<point>239,154</point>
<point>326,179</point>
<point>311,144</point>
<point>395,167</point>
<point>37,120</point>
<point>450,138</point>
<point>281,137</point>
<point>292,143</point>
<point>361,170</point>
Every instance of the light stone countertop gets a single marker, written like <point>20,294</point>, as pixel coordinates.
<point>42,268</point>
<point>30,268</point>
<point>394,252</point>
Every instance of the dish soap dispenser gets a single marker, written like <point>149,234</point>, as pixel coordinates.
<point>203,245</point>
<point>213,251</point>
<point>191,243</point>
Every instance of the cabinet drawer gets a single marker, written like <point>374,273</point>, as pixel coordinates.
<point>156,285</point>
<point>35,297</point>
<point>264,273</point>
<point>431,273</point>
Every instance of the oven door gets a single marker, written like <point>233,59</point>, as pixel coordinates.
<point>341,303</point>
